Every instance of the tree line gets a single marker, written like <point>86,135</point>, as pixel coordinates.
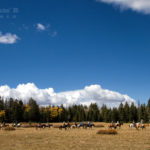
<point>13,110</point>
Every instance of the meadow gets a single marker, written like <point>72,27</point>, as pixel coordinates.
<point>74,139</point>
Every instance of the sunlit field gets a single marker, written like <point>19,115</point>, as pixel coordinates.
<point>74,139</point>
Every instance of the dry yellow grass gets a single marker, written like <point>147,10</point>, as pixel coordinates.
<point>74,139</point>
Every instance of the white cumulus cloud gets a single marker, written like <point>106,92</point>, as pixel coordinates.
<point>40,27</point>
<point>8,38</point>
<point>136,5</point>
<point>90,94</point>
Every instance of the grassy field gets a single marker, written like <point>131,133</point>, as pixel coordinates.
<point>74,139</point>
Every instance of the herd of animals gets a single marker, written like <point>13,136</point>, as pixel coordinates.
<point>73,125</point>
<point>132,125</point>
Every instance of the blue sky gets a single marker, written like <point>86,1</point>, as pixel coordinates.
<point>84,42</point>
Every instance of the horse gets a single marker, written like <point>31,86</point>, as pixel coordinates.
<point>3,125</point>
<point>16,125</point>
<point>79,125</point>
<point>41,126</point>
<point>119,124</point>
<point>49,125</point>
<point>131,125</point>
<point>68,125</point>
<point>146,125</point>
<point>112,126</point>
<point>73,126</point>
<point>63,127</point>
<point>85,126</point>
<point>142,126</point>
<point>136,125</point>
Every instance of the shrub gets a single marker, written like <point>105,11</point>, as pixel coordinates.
<point>107,132</point>
<point>28,125</point>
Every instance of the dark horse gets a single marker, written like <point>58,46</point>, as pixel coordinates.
<point>65,126</point>
<point>42,126</point>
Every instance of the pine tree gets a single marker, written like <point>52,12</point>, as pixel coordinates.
<point>93,112</point>
<point>102,114</point>
<point>133,113</point>
<point>121,112</point>
<point>34,113</point>
<point>115,115</point>
<point>126,111</point>
<point>148,110</point>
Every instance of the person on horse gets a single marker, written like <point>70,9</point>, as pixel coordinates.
<point>89,123</point>
<point>68,124</point>
<point>64,124</point>
<point>142,124</point>
<point>3,123</point>
<point>141,121</point>
<point>112,122</point>
<point>134,124</point>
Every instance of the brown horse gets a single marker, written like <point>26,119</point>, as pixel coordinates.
<point>142,126</point>
<point>146,125</point>
<point>112,126</point>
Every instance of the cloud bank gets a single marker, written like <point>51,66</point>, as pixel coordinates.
<point>8,38</point>
<point>136,5</point>
<point>90,94</point>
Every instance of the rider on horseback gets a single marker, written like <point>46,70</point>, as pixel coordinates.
<point>134,124</point>
<point>68,124</point>
<point>64,124</point>
<point>89,123</point>
<point>142,124</point>
<point>81,124</point>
